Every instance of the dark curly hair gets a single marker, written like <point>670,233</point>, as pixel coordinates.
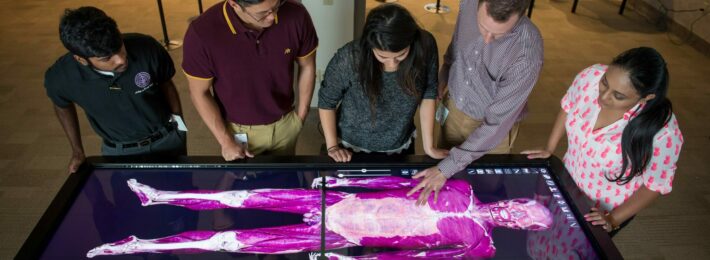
<point>89,32</point>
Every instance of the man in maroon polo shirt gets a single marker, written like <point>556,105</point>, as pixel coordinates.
<point>246,50</point>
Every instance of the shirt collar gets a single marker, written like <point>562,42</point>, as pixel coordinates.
<point>227,18</point>
<point>633,112</point>
<point>516,28</point>
<point>107,73</point>
<point>513,31</point>
<point>88,72</point>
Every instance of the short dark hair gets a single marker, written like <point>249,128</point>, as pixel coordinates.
<point>245,3</point>
<point>89,32</point>
<point>502,10</point>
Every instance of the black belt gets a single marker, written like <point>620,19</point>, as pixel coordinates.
<point>145,141</point>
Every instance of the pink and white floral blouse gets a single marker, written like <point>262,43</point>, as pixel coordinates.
<point>593,154</point>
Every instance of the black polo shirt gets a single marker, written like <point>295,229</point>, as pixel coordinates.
<point>126,107</point>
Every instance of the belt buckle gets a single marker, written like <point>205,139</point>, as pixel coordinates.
<point>144,142</point>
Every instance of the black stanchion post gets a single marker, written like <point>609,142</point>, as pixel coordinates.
<point>574,6</point>
<point>621,9</point>
<point>623,5</point>
<point>532,4</point>
<point>168,44</point>
<point>166,41</point>
<point>199,5</point>
<point>436,8</point>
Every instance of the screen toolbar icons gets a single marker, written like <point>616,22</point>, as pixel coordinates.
<point>507,171</point>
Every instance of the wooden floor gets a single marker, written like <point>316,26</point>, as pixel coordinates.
<point>34,152</point>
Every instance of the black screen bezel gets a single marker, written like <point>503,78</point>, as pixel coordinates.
<point>38,240</point>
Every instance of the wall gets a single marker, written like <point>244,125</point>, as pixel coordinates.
<point>334,22</point>
<point>652,9</point>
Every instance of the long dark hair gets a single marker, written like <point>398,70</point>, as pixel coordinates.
<point>390,27</point>
<point>649,75</point>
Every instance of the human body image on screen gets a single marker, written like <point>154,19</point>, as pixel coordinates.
<point>459,226</point>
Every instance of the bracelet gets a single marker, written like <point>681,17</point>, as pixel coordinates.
<point>612,222</point>
<point>334,148</point>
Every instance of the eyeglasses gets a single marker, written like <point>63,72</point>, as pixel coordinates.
<point>260,16</point>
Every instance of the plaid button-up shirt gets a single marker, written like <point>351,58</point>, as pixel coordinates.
<point>489,82</point>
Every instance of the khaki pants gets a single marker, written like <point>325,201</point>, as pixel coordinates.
<point>278,138</point>
<point>458,126</point>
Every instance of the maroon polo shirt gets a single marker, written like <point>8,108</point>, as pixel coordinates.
<point>252,71</point>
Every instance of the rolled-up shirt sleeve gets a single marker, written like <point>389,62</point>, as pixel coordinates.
<point>507,105</point>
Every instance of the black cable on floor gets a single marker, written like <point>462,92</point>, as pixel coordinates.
<point>662,23</point>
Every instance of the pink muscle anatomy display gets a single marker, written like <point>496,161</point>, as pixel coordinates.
<point>457,226</point>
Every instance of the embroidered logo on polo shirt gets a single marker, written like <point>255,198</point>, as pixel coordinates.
<point>287,51</point>
<point>142,81</point>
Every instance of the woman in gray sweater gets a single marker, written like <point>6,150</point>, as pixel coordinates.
<point>373,86</point>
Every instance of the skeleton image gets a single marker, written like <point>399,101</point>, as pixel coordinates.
<point>457,226</point>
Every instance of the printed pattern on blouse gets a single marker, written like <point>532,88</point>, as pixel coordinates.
<point>594,154</point>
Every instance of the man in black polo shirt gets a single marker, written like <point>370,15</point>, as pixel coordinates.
<point>123,83</point>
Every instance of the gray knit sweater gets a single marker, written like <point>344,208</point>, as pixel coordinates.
<point>393,122</point>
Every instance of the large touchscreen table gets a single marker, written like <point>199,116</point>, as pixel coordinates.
<point>307,207</point>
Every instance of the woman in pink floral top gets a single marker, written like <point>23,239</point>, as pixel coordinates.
<point>623,138</point>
